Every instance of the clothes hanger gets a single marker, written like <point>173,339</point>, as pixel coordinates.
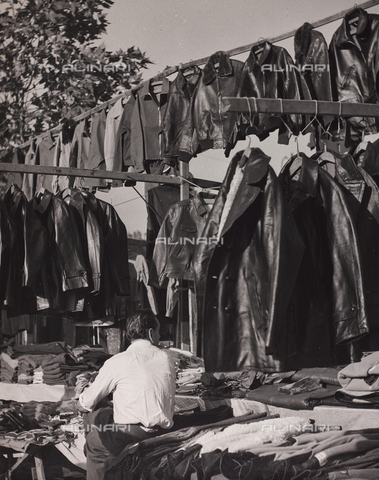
<point>41,191</point>
<point>260,46</point>
<point>190,70</point>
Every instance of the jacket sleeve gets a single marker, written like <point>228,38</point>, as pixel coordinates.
<point>95,249</point>
<point>291,89</point>
<point>161,252</point>
<point>116,252</point>
<point>136,140</point>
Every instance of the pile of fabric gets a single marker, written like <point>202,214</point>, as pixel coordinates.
<point>27,365</point>
<point>61,369</point>
<point>9,368</point>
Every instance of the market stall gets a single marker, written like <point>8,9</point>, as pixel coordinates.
<point>273,278</point>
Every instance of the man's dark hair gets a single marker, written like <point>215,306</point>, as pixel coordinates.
<point>138,324</point>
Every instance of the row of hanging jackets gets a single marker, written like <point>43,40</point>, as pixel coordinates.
<point>286,268</point>
<point>165,120</point>
<point>62,254</point>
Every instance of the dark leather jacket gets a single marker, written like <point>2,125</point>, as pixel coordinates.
<point>64,267</point>
<point>269,75</point>
<point>90,234</point>
<point>311,50</point>
<point>363,197</point>
<point>207,124</point>
<point>243,284</point>
<point>178,103</point>
<point>24,239</point>
<point>327,307</point>
<point>176,241</point>
<point>354,68</point>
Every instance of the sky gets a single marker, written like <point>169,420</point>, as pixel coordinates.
<point>178,31</point>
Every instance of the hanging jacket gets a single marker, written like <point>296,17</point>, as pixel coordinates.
<point>79,152</point>
<point>354,66</point>
<point>177,238</point>
<point>123,137</point>
<point>207,124</point>
<point>65,265</point>
<point>115,243</point>
<point>244,283</point>
<point>90,234</point>
<point>27,253</point>
<point>327,307</point>
<point>96,160</point>
<point>146,142</point>
<point>159,201</point>
<point>178,102</point>
<point>269,74</point>
<point>363,198</point>
<point>110,139</point>
<point>312,56</point>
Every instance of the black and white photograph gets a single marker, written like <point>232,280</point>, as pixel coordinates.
<point>189,240</point>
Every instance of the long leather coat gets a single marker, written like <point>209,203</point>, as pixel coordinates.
<point>243,284</point>
<point>363,197</point>
<point>354,65</point>
<point>327,307</point>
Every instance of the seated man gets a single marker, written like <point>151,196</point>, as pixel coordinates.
<point>142,380</point>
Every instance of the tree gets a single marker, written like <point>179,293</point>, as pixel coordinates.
<point>50,67</point>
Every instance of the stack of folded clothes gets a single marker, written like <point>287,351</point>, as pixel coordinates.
<point>360,383</point>
<point>61,369</point>
<point>26,366</point>
<point>38,375</point>
<point>9,368</point>
<point>92,356</point>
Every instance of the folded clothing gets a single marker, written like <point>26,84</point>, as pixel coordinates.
<point>270,395</point>
<point>361,376</point>
<point>327,375</point>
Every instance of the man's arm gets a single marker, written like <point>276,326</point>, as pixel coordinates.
<point>103,385</point>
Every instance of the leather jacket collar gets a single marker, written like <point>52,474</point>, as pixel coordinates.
<point>302,41</point>
<point>43,205</point>
<point>182,82</point>
<point>225,68</point>
<point>145,90</point>
<point>344,35</point>
<point>253,57</point>
<point>255,169</point>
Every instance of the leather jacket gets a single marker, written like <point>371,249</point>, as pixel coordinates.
<point>311,50</point>
<point>327,307</point>
<point>363,197</point>
<point>146,143</point>
<point>176,241</point>
<point>178,103</point>
<point>90,234</point>
<point>24,239</point>
<point>243,284</point>
<point>115,243</point>
<point>64,269</point>
<point>269,75</point>
<point>207,124</point>
<point>354,68</point>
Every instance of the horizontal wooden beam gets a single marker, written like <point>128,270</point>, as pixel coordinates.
<point>306,107</point>
<point>78,172</point>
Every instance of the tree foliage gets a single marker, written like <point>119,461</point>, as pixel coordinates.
<point>51,66</point>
